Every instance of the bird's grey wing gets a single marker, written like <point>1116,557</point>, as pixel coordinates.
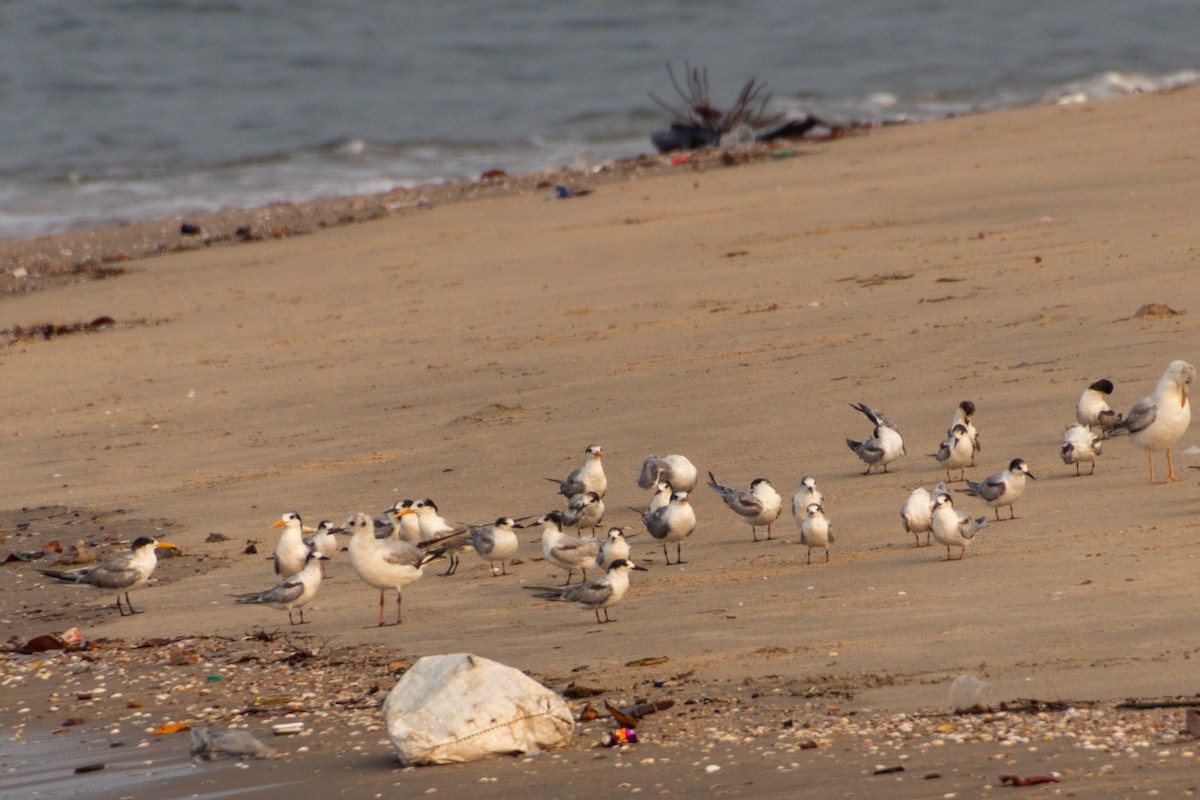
<point>409,556</point>
<point>652,468</point>
<point>116,573</point>
<point>484,541</point>
<point>868,411</point>
<point>745,504</point>
<point>576,546</point>
<point>656,524</point>
<point>869,451</point>
<point>282,592</point>
<point>1141,415</point>
<point>592,593</point>
<point>991,488</point>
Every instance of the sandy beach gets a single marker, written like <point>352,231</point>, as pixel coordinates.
<point>464,351</point>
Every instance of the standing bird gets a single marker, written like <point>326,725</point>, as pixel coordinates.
<point>385,563</point>
<point>674,522</point>
<point>956,452</point>
<point>588,478</point>
<point>493,543</point>
<point>758,506</point>
<point>403,526</point>
<point>917,514</point>
<point>962,416</point>
<point>598,593</point>
<point>584,511</point>
<point>1003,488</point>
<point>1079,445</point>
<point>433,525</point>
<point>293,591</point>
<point>883,446</point>
<point>676,470</point>
<point>563,551</point>
<point>1092,409</point>
<point>952,528</point>
<point>118,574</point>
<point>323,541</point>
<point>1156,422</point>
<point>805,496</point>
<point>613,548</point>
<point>816,531</point>
<point>290,551</point>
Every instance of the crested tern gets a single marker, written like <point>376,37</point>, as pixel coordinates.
<point>1003,488</point>
<point>598,593</point>
<point>953,528</point>
<point>294,591</point>
<point>673,522</point>
<point>1081,444</point>
<point>758,506</point>
<point>883,446</point>
<point>119,574</point>
<point>675,469</point>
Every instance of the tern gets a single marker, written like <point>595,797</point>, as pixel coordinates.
<point>323,541</point>
<point>290,551</point>
<point>883,446</point>
<point>1081,444</point>
<point>495,543</point>
<point>404,526</point>
<point>614,547</point>
<point>815,531</point>
<point>806,496</point>
<point>1156,422</point>
<point>917,514</point>
<point>1003,488</point>
<point>673,522</point>
<point>758,506</point>
<point>953,528</point>
<point>434,526</point>
<point>563,551</point>
<point>956,452</point>
<point>676,470</point>
<point>385,563</point>
<point>118,574</point>
<point>584,511</point>
<point>962,416</point>
<point>293,591</point>
<point>598,593</point>
<point>1092,409</point>
<point>588,478</point>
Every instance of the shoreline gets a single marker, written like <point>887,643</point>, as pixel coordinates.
<point>732,315</point>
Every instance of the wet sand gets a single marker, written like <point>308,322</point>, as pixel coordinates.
<point>468,351</point>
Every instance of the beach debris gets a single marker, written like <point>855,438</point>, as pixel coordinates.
<point>698,123</point>
<point>66,640</point>
<point>79,553</point>
<point>1191,721</point>
<point>882,770</point>
<point>89,768</point>
<point>50,330</point>
<point>216,537</point>
<point>189,229</point>
<point>287,728</point>
<point>460,707</point>
<point>1157,311</point>
<point>207,745</point>
<point>171,727</point>
<point>653,661</point>
<point>619,737</point>
<point>564,192</point>
<point>622,718</point>
<point>967,693</point>
<point>1033,780</point>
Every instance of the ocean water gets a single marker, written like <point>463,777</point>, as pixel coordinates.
<point>114,110</point>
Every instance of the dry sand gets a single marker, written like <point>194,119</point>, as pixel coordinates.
<point>466,351</point>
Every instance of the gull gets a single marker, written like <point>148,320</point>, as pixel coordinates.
<point>563,551</point>
<point>815,531</point>
<point>673,522</point>
<point>293,591</point>
<point>952,528</point>
<point>120,573</point>
<point>384,563</point>
<point>758,506</point>
<point>676,470</point>
<point>1003,488</point>
<point>290,551</point>
<point>805,496</point>
<point>323,541</point>
<point>962,416</point>
<point>883,446</point>
<point>1092,409</point>
<point>1156,422</point>
<point>1079,445</point>
<point>433,526</point>
<point>589,477</point>
<point>917,514</point>
<point>493,543</point>
<point>956,452</point>
<point>598,593</point>
<point>584,511</point>
<point>614,547</point>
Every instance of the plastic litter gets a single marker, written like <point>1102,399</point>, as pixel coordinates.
<point>209,746</point>
<point>968,692</point>
<point>460,707</point>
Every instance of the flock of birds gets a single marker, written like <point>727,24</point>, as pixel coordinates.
<point>391,550</point>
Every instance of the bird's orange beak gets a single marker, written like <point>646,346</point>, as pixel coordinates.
<point>402,512</point>
<point>279,523</point>
<point>164,546</point>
